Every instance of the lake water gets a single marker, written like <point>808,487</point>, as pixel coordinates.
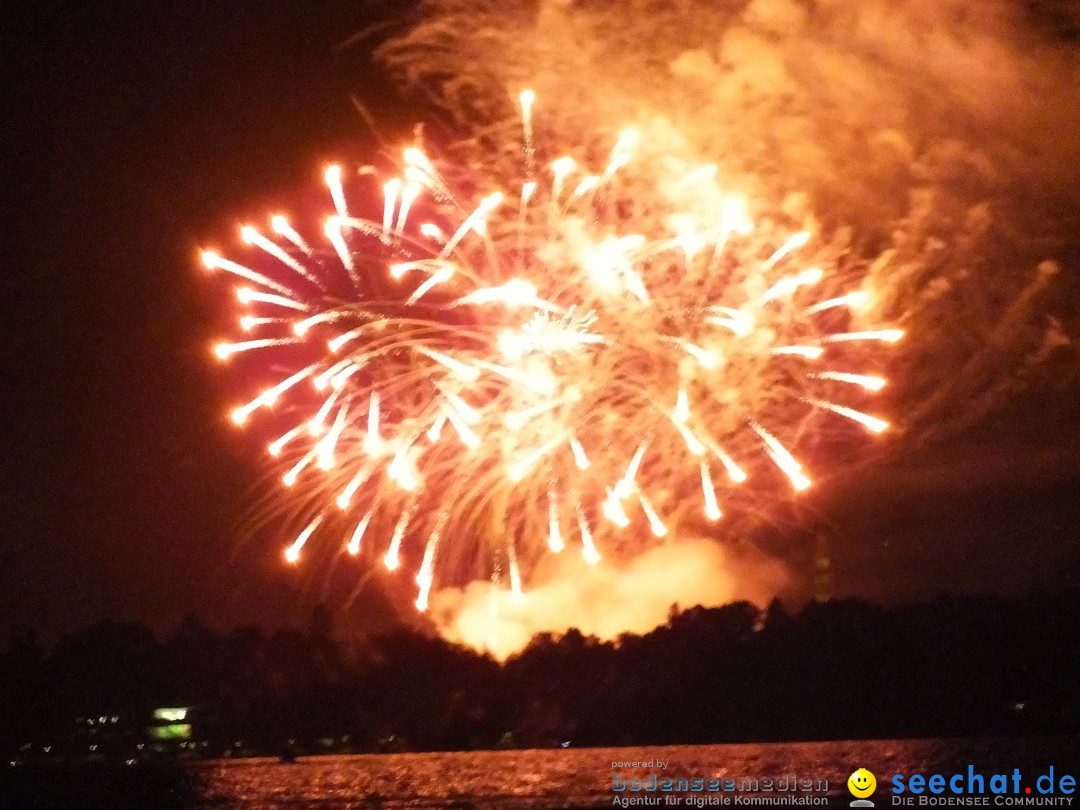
<point>523,780</point>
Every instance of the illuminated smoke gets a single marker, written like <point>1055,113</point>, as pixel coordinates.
<point>633,596</point>
<point>540,374</point>
<point>899,163</point>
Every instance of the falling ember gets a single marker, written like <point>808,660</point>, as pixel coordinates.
<point>784,460</point>
<point>391,560</point>
<point>586,185</point>
<point>322,381</point>
<point>358,480</point>
<point>809,352</point>
<point>465,433</point>
<point>358,534</point>
<point>290,478</point>
<point>427,567</point>
<point>329,441</point>
<point>215,262</point>
<point>253,237</point>
<point>884,335</point>
<point>248,322</point>
<point>794,242</point>
<point>580,458</point>
<point>268,397</point>
<point>613,510</point>
<point>400,470</point>
<point>441,368</point>
<point>474,221</point>
<point>333,182</point>
<point>588,550</point>
<point>871,423</point>
<point>655,523</point>
<point>626,485</point>
<point>853,300</point>
<point>317,426</point>
<point>734,471</point>
<point>787,286</point>
<point>275,446</point>
<point>693,443</point>
<point>706,358</point>
<point>424,578</point>
<point>282,227</point>
<point>226,350</point>
<point>521,468</point>
<point>712,508</point>
<point>408,194</point>
<point>560,169</point>
<point>249,296</point>
<point>555,541</point>
<point>333,233</point>
<point>467,412</point>
<point>292,553</point>
<point>435,431</point>
<point>438,277</point>
<point>432,231</point>
<point>462,370</point>
<point>682,407</point>
<point>870,383</point>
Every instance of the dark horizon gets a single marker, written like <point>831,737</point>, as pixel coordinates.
<point>846,670</point>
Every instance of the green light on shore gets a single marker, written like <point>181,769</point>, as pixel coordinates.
<point>170,715</point>
<point>175,731</point>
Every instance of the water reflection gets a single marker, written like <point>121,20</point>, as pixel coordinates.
<point>583,777</point>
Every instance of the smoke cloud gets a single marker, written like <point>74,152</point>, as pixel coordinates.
<point>855,102</point>
<point>605,600</point>
<point>937,140</point>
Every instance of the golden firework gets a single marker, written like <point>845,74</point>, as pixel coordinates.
<point>487,378</point>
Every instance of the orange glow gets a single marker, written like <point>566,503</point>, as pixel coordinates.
<point>465,343</point>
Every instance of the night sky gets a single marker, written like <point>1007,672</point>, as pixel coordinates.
<point>137,133</point>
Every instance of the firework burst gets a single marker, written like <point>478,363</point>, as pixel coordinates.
<point>577,364</point>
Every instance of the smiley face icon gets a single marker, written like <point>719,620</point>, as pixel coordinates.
<point>861,783</point>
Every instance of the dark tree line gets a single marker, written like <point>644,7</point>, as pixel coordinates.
<point>842,669</point>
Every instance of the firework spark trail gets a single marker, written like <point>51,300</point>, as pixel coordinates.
<point>496,381</point>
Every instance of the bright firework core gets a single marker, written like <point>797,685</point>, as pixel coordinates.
<point>572,362</point>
